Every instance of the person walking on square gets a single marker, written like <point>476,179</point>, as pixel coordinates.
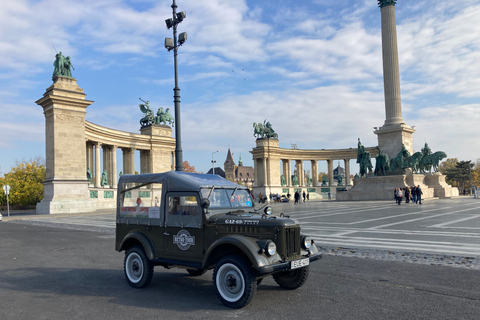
<point>419,194</point>
<point>407,194</point>
<point>414,194</point>
<point>399,195</point>
<point>304,196</point>
<point>297,197</point>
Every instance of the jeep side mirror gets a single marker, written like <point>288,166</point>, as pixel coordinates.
<point>205,203</point>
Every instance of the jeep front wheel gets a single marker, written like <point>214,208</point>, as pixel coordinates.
<point>137,268</point>
<point>291,280</point>
<point>234,282</point>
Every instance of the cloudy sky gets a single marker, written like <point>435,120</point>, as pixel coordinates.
<point>313,68</point>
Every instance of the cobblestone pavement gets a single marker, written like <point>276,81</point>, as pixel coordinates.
<point>440,232</point>
<point>409,257</point>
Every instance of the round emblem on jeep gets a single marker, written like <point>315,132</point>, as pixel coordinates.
<point>183,240</point>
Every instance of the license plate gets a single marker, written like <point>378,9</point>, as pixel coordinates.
<point>299,263</point>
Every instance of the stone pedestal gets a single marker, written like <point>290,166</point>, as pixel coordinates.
<point>66,184</point>
<point>382,188</point>
<point>159,159</point>
<point>442,189</point>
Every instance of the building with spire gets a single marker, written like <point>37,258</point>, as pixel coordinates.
<point>236,173</point>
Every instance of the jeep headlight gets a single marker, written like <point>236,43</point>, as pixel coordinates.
<point>270,248</point>
<point>306,242</point>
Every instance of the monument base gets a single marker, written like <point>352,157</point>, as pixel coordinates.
<point>382,188</point>
<point>65,196</point>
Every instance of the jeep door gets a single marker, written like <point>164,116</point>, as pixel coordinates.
<point>183,237</point>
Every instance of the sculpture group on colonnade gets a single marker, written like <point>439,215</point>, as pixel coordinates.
<point>420,162</point>
<point>264,130</point>
<point>149,118</point>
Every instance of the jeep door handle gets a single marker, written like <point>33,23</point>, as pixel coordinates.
<point>166,233</point>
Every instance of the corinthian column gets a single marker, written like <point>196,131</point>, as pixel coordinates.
<point>391,73</point>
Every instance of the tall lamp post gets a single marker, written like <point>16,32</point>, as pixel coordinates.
<point>213,163</point>
<point>173,44</point>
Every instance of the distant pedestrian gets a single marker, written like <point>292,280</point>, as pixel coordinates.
<point>419,194</point>
<point>308,196</point>
<point>414,194</point>
<point>407,194</point>
<point>399,195</point>
<point>304,196</point>
<point>297,197</point>
<point>329,195</point>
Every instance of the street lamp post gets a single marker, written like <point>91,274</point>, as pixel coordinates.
<point>213,163</point>
<point>172,44</point>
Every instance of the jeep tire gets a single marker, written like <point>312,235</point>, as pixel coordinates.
<point>137,268</point>
<point>293,279</point>
<point>234,281</point>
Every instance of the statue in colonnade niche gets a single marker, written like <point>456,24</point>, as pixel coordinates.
<point>339,180</point>
<point>295,180</point>
<point>309,181</point>
<point>104,181</point>
<point>89,175</point>
<point>324,180</point>
<point>282,181</point>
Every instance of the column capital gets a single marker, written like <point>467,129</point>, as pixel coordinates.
<point>385,3</point>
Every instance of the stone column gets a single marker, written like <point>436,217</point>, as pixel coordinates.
<point>394,132</point>
<point>128,160</point>
<point>66,185</point>
<point>391,72</point>
<point>98,170</point>
<point>330,172</point>
<point>113,172</point>
<point>347,172</point>
<point>145,161</point>
<point>314,173</point>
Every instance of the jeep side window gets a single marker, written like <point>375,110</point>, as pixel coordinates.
<point>182,206</point>
<point>183,211</point>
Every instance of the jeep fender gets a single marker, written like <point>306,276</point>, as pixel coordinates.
<point>142,239</point>
<point>247,245</point>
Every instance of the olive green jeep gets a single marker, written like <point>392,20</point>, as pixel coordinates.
<point>201,222</point>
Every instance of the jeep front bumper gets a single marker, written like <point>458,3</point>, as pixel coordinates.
<point>287,265</point>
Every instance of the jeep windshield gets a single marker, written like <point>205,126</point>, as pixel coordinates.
<point>227,199</point>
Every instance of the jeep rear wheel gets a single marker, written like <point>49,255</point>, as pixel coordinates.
<point>137,268</point>
<point>234,282</point>
<point>291,280</point>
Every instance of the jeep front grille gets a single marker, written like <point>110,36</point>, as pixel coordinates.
<point>292,237</point>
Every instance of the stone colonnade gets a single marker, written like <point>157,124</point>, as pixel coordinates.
<point>73,145</point>
<point>155,143</point>
<point>268,158</point>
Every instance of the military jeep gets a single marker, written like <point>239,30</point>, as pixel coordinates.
<point>200,222</point>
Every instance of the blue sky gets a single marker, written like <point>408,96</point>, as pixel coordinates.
<point>313,68</point>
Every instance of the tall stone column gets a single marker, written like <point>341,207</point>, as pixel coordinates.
<point>66,184</point>
<point>330,172</point>
<point>314,173</point>
<point>394,132</point>
<point>347,172</point>
<point>98,170</point>
<point>289,172</point>
<point>128,160</point>
<point>113,172</point>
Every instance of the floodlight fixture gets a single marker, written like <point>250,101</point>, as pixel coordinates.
<point>169,44</point>
<point>170,23</point>
<point>180,16</point>
<point>182,37</point>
